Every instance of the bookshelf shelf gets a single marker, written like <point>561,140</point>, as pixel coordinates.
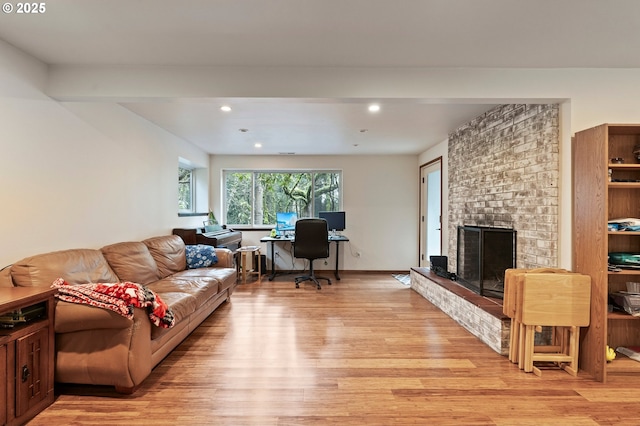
<point>623,364</point>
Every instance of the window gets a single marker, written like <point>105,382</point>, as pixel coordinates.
<point>253,198</point>
<point>193,188</point>
<point>186,202</point>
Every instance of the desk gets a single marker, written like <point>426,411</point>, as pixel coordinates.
<point>332,239</point>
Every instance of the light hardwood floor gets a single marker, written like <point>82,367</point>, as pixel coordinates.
<point>366,350</point>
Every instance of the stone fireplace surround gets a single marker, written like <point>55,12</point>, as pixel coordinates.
<point>481,316</point>
<point>503,172</point>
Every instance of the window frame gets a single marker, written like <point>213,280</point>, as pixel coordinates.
<point>192,189</point>
<point>254,172</point>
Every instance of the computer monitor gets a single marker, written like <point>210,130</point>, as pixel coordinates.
<point>336,221</point>
<point>286,221</point>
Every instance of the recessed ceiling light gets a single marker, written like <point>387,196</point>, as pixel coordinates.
<point>257,145</point>
<point>244,130</point>
<point>374,108</point>
<point>364,130</point>
<point>225,108</point>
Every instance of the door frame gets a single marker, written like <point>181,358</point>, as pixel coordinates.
<point>422,260</point>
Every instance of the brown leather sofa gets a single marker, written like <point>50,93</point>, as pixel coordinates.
<point>98,346</point>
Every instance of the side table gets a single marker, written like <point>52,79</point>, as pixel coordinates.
<point>244,263</point>
<point>27,350</point>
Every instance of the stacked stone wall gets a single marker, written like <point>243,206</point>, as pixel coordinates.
<point>504,172</point>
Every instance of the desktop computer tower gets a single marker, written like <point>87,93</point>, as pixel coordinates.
<point>263,262</point>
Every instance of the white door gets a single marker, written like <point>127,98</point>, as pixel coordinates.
<point>430,211</point>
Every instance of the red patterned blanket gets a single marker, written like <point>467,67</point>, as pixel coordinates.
<point>118,297</point>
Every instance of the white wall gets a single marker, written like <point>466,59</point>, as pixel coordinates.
<point>79,174</point>
<point>380,198</point>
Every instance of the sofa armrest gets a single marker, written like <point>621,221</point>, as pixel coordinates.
<point>5,277</point>
<point>104,353</point>
<point>72,317</point>
<point>225,258</point>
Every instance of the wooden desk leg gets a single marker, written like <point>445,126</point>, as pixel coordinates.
<point>337,260</point>
<point>273,261</point>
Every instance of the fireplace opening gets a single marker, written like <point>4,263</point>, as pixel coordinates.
<point>483,254</point>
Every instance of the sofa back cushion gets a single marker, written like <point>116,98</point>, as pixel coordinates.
<point>169,253</point>
<point>77,266</point>
<point>5,277</point>
<point>132,261</point>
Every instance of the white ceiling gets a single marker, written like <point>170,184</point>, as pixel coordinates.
<point>325,33</point>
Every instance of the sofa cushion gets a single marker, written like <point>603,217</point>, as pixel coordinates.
<point>169,253</point>
<point>200,288</point>
<point>200,256</point>
<point>132,261</point>
<point>226,277</point>
<point>76,266</point>
<point>181,304</point>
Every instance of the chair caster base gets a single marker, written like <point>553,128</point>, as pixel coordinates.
<point>313,279</point>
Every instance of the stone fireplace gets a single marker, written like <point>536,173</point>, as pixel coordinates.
<point>484,253</point>
<point>503,172</point>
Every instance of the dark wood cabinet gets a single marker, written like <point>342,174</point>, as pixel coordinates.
<point>27,351</point>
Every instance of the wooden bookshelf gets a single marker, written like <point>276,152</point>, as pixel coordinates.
<point>603,191</point>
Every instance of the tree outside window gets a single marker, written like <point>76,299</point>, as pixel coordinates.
<point>185,190</point>
<point>253,198</point>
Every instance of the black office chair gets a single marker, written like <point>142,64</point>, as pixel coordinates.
<point>311,242</point>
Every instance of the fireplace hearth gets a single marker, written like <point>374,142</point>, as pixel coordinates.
<point>483,254</point>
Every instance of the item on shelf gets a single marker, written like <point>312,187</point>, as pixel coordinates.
<point>633,287</point>
<point>628,302</point>
<point>625,259</point>
<point>22,316</point>
<point>617,160</point>
<point>611,354</point>
<point>624,224</point>
<point>636,152</point>
<point>632,352</point>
